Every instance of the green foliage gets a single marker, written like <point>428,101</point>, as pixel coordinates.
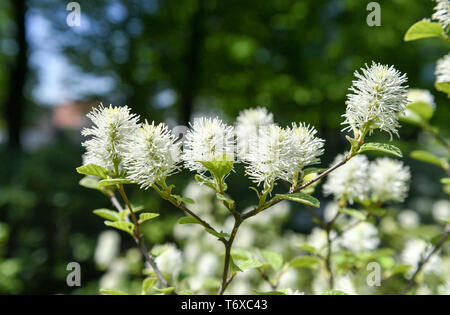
<point>304,262</point>
<point>143,217</point>
<point>423,29</point>
<point>113,182</point>
<point>427,157</point>
<point>300,198</point>
<point>107,214</point>
<point>93,170</point>
<point>381,147</point>
<point>122,225</point>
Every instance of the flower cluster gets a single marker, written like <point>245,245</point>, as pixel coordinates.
<point>442,13</point>
<point>382,180</point>
<point>114,128</point>
<point>442,71</point>
<point>379,95</point>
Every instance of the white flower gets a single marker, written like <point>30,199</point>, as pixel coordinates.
<point>280,153</point>
<point>348,182</point>
<point>442,14</point>
<point>152,155</point>
<point>113,129</point>
<point>307,148</point>
<point>389,180</point>
<point>408,219</point>
<point>442,71</point>
<point>419,95</point>
<point>414,251</point>
<point>208,140</point>
<point>108,245</point>
<point>379,95</point>
<point>362,237</point>
<point>441,210</point>
<point>170,261</point>
<point>248,123</point>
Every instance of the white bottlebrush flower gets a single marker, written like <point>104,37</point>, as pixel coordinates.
<point>441,210</point>
<point>152,155</point>
<point>306,146</point>
<point>389,180</point>
<point>114,128</point>
<point>270,155</point>
<point>348,182</point>
<point>362,237</point>
<point>377,97</point>
<point>208,140</point>
<point>108,246</point>
<point>170,261</point>
<point>248,123</point>
<point>419,95</point>
<point>408,219</point>
<point>414,251</point>
<point>442,71</point>
<point>442,13</point>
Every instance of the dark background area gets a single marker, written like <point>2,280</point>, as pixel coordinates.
<point>170,60</point>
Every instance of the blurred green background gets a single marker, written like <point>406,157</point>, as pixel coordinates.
<point>170,60</point>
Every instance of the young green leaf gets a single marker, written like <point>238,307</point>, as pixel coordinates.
<point>250,263</point>
<point>304,262</point>
<point>443,87</point>
<point>424,110</point>
<point>307,248</point>
<point>217,234</point>
<point>233,266</point>
<point>301,198</point>
<point>220,167</point>
<point>107,214</point>
<point>113,181</point>
<point>427,157</point>
<point>93,170</point>
<point>382,147</point>
<point>147,284</point>
<point>423,29</point>
<point>112,292</point>
<point>165,291</point>
<point>188,220</point>
<point>147,216</point>
<point>225,199</point>
<point>121,225</point>
<point>273,258</point>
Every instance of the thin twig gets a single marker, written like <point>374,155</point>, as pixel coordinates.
<point>422,262</point>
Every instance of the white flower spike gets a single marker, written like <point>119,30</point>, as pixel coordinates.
<point>152,155</point>
<point>208,140</point>
<point>442,14</point>
<point>113,129</point>
<point>377,97</point>
<point>389,180</point>
<point>442,71</point>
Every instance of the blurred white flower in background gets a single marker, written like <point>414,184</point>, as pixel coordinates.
<point>207,140</point>
<point>377,97</point>
<point>442,14</point>
<point>423,96</point>
<point>389,180</point>
<point>362,237</point>
<point>442,71</point>
<point>113,129</point>
<point>108,246</point>
<point>408,218</point>
<point>170,261</point>
<point>441,210</point>
<point>348,182</point>
<point>414,250</point>
<point>116,274</point>
<point>248,123</point>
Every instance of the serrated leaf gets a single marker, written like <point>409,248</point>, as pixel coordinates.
<point>301,198</point>
<point>112,292</point>
<point>147,284</point>
<point>334,292</point>
<point>273,258</point>
<point>147,216</point>
<point>93,170</point>
<point>427,157</point>
<point>382,147</point>
<point>113,181</point>
<point>121,225</point>
<point>107,214</point>
<point>354,213</point>
<point>250,263</point>
<point>423,29</point>
<point>304,262</point>
<point>188,220</point>
<point>443,87</point>
<point>307,248</point>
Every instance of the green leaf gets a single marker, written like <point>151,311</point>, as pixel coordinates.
<point>112,292</point>
<point>250,263</point>
<point>307,248</point>
<point>423,29</point>
<point>182,199</point>
<point>206,181</point>
<point>304,262</point>
<point>354,213</point>
<point>400,269</point>
<point>226,200</point>
<point>89,182</point>
<point>382,147</point>
<point>121,225</point>
<point>301,198</point>
<point>273,258</point>
<point>113,181</point>
<point>334,292</point>
<point>445,181</point>
<point>427,157</point>
<point>220,167</point>
<point>422,109</point>
<point>313,170</point>
<point>147,216</point>
<point>443,87</point>
<point>107,214</point>
<point>240,254</point>
<point>147,284</point>
<point>93,170</point>
<point>233,266</point>
<point>165,291</point>
<point>217,234</point>
<point>188,220</point>
<point>411,117</point>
